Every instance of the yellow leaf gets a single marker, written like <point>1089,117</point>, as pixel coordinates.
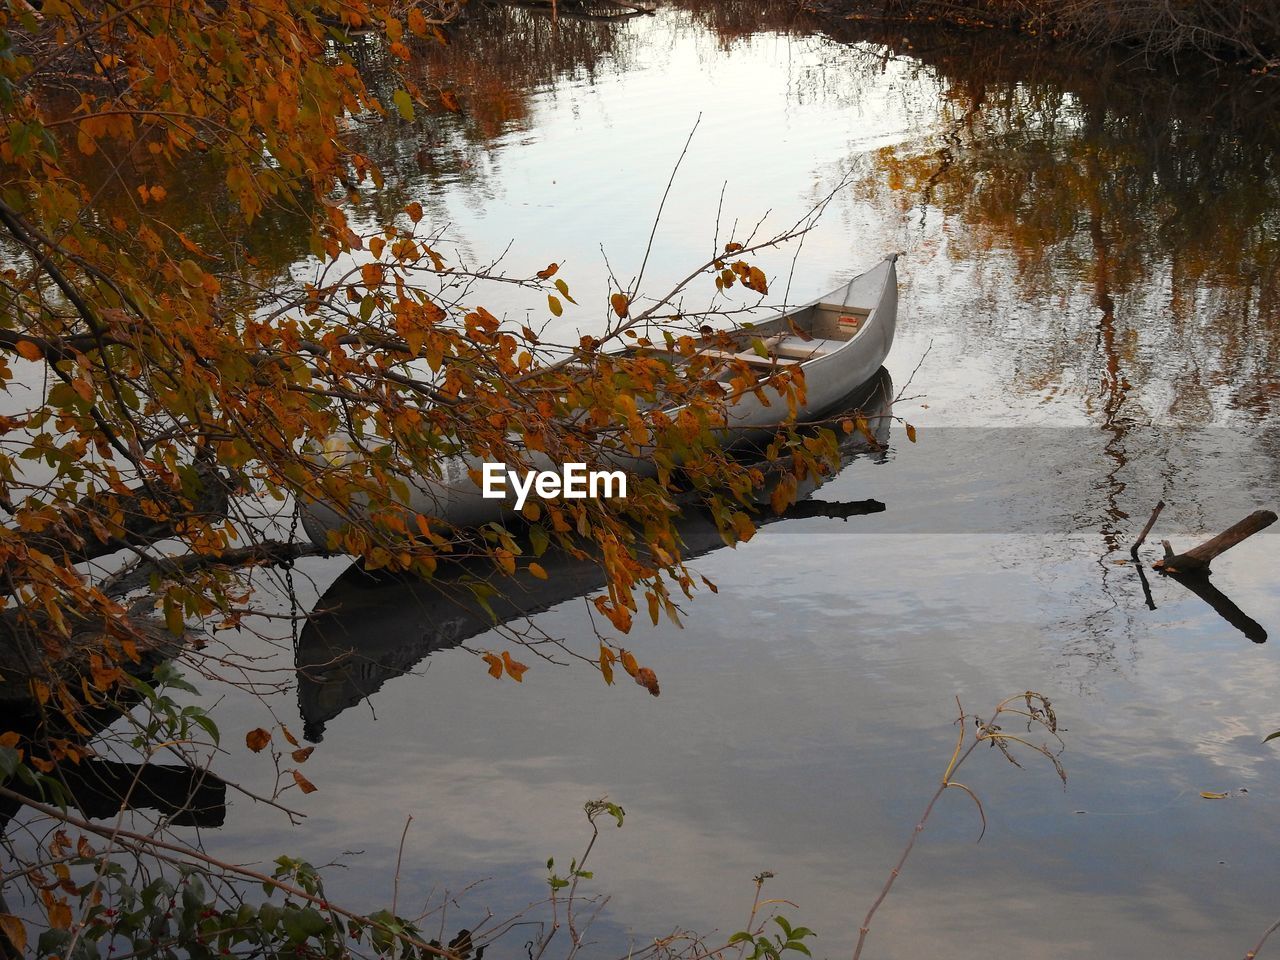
<point>305,785</point>
<point>404,104</point>
<point>621,305</point>
<point>256,739</point>
<point>554,304</point>
<point>1209,795</point>
<point>606,664</point>
<point>911,433</point>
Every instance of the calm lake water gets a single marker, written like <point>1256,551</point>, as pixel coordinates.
<point>1088,323</point>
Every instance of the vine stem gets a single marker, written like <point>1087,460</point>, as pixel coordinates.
<point>957,759</point>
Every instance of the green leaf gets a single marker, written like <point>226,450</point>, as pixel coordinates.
<point>1271,737</point>
<point>564,290</point>
<point>173,617</point>
<point>404,104</point>
<point>9,761</point>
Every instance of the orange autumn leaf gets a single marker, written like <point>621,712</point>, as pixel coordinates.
<point>495,665</point>
<point>305,785</point>
<point>371,274</point>
<point>629,663</point>
<point>59,915</point>
<point>256,739</point>
<point>621,305</point>
<point>607,657</point>
<point>515,669</point>
<point>14,929</point>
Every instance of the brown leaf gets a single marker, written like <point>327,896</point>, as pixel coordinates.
<point>449,100</point>
<point>289,736</point>
<point>548,273</point>
<point>300,756</point>
<point>649,680</point>
<point>256,739</point>
<point>305,785</point>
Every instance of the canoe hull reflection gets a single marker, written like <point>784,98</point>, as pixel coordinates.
<point>371,629</point>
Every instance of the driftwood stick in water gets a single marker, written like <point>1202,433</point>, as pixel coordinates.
<point>1142,537</point>
<point>1196,560</point>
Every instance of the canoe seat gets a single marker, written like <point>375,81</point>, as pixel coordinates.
<point>752,358</point>
<point>794,348</point>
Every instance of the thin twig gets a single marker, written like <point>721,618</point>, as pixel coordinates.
<point>1133,551</point>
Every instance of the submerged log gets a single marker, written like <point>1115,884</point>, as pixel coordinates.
<point>1195,562</point>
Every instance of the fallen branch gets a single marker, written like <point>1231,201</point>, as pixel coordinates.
<point>1195,562</point>
<point>267,553</point>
